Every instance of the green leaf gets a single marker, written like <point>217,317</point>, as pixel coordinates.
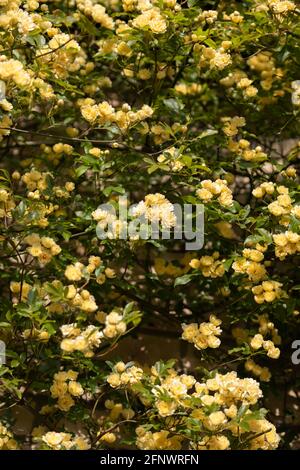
<point>129,307</point>
<point>173,105</point>
<point>207,133</point>
<point>152,168</point>
<point>66,235</point>
<point>113,189</point>
<point>183,280</point>
<point>227,264</point>
<point>81,170</point>
<point>14,363</point>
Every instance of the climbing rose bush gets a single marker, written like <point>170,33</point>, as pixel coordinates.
<point>167,102</point>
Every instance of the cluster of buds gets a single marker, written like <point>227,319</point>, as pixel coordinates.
<point>65,387</point>
<point>263,373</point>
<point>251,263</point>
<point>267,291</point>
<point>204,335</point>
<point>239,79</point>
<point>232,125</point>
<point>114,325</point>
<point>6,203</point>
<point>42,248</point>
<point>266,327</point>
<point>287,243</point>
<point>210,266</point>
<point>77,271</point>
<point>117,409</point>
<point>124,375</point>
<point>21,290</point>
<point>76,339</point>
<point>63,441</point>
<point>218,190</point>
<point>215,58</point>
<point>258,342</point>
<point>36,335</point>
<point>81,299</point>
<point>104,113</point>
<point>243,149</point>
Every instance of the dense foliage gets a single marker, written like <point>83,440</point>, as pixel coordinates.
<point>167,102</point>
